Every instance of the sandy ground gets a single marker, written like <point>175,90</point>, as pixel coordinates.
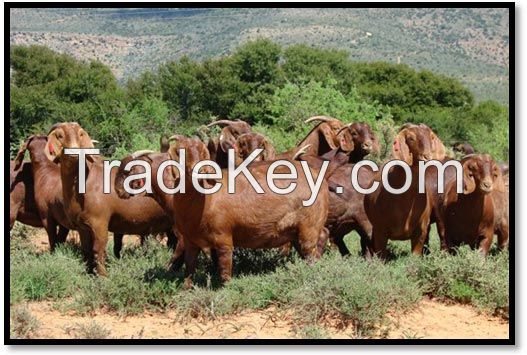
<point>430,320</point>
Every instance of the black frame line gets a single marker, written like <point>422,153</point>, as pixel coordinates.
<point>512,260</point>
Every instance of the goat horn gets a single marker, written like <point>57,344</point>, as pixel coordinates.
<point>320,118</point>
<point>301,151</point>
<point>221,123</point>
<point>175,137</point>
<point>343,128</point>
<point>139,153</point>
<point>94,141</point>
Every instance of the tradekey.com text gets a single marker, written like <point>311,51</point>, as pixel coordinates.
<point>272,176</point>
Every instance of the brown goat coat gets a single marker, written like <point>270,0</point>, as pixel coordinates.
<point>322,138</point>
<point>407,215</point>
<point>22,206</point>
<point>47,190</point>
<point>94,213</point>
<point>222,221</point>
<point>470,217</point>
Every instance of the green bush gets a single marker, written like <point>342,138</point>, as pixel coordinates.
<point>271,87</point>
<point>46,276</point>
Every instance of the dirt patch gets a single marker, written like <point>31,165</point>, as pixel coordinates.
<point>430,320</point>
<point>437,320</point>
<point>41,241</point>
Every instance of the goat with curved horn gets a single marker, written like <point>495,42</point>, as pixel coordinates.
<point>301,151</point>
<point>221,123</point>
<point>320,118</point>
<point>175,137</point>
<point>139,153</point>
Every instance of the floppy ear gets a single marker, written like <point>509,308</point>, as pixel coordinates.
<point>499,183</point>
<point>400,149</point>
<point>173,152</point>
<point>269,152</point>
<point>203,152</point>
<point>53,148</point>
<point>21,152</point>
<point>227,140</point>
<point>328,134</point>
<point>450,193</point>
<point>345,141</point>
<point>438,148</point>
<point>85,140</point>
<point>469,183</point>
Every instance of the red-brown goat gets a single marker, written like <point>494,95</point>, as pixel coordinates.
<point>406,215</point>
<point>94,212</point>
<point>471,217</point>
<point>221,221</point>
<point>47,190</point>
<point>22,205</point>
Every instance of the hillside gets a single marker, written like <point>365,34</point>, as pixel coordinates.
<point>469,44</point>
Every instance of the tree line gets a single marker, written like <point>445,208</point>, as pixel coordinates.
<point>272,87</point>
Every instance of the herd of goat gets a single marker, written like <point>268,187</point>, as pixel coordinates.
<point>43,193</point>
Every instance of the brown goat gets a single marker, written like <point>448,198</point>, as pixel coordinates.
<point>364,141</point>
<point>407,215</point>
<point>471,217</point>
<point>324,137</point>
<point>22,206</point>
<point>222,221</point>
<point>463,148</point>
<point>94,213</point>
<point>230,131</point>
<point>47,190</point>
<point>248,142</point>
<point>346,207</point>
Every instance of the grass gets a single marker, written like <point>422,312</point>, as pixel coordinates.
<point>90,330</point>
<point>22,323</point>
<point>347,291</point>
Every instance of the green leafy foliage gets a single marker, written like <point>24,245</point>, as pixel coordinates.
<point>271,87</point>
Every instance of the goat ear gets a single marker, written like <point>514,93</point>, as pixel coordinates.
<point>227,140</point>
<point>499,183</point>
<point>450,193</point>
<point>53,148</point>
<point>328,134</point>
<point>269,152</point>
<point>21,152</point>
<point>438,148</point>
<point>469,183</point>
<point>400,149</point>
<point>204,152</point>
<point>85,140</point>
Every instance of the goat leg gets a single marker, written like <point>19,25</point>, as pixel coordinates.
<point>191,259</point>
<point>100,239</point>
<point>225,262</point>
<point>117,245</point>
<point>62,234</point>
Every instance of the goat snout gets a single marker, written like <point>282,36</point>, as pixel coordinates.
<point>367,145</point>
<point>486,185</point>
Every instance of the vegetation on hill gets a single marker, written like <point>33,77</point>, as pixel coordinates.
<point>272,87</point>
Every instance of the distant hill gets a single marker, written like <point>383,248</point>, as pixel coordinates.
<point>470,44</point>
